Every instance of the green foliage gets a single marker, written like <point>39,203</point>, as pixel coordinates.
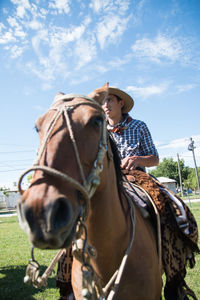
<point>29,178</point>
<point>5,192</point>
<point>169,168</point>
<point>191,180</point>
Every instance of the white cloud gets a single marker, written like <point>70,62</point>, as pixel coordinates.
<point>178,143</point>
<point>180,146</point>
<point>35,25</point>
<point>16,51</point>
<point>111,29</point>
<point>2,27</point>
<point>62,36</point>
<point>42,35</point>
<point>21,6</point>
<point>59,50</point>
<point>138,11</point>
<point>56,47</point>
<point>62,6</point>
<point>97,5</point>
<point>148,91</point>
<point>81,79</point>
<point>183,142</point>
<point>85,51</point>
<point>16,27</point>
<point>44,72</point>
<point>157,49</point>
<point>12,22</point>
<point>105,6</point>
<point>186,87</point>
<point>118,62</point>
<point>7,37</point>
<point>38,108</point>
<point>113,19</point>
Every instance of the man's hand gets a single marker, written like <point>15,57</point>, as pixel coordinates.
<point>131,163</point>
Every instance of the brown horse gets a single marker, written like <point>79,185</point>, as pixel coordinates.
<point>76,191</point>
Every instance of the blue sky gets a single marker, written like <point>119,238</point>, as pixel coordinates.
<point>149,48</point>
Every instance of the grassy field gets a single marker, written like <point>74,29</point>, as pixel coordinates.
<point>15,254</point>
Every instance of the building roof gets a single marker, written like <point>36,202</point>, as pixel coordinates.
<point>166,180</point>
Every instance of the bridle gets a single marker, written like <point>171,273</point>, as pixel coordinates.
<point>81,250</point>
<point>87,188</point>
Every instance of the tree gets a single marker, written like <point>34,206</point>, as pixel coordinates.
<point>191,180</point>
<point>169,168</point>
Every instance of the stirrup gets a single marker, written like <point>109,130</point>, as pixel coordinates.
<point>182,218</point>
<point>183,224</point>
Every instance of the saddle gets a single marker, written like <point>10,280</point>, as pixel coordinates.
<point>179,232</point>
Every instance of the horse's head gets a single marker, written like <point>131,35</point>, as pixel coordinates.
<point>67,169</point>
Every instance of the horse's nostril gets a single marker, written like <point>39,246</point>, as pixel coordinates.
<point>60,215</point>
<point>29,216</point>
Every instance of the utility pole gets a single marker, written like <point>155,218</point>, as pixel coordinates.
<point>179,173</point>
<point>191,148</point>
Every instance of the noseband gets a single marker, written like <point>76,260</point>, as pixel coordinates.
<point>90,184</point>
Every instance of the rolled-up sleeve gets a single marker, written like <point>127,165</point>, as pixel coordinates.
<point>146,142</point>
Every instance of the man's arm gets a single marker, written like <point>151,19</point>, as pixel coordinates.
<point>132,162</point>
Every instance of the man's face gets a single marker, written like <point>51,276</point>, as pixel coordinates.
<point>112,106</point>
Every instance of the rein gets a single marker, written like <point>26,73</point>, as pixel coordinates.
<point>92,290</point>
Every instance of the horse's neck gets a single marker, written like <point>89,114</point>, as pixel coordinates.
<point>107,226</point>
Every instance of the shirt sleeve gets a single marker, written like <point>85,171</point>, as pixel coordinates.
<point>146,142</point>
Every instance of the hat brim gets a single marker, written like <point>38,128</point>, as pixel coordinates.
<point>128,100</point>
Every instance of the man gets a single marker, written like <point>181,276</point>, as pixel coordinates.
<point>131,136</point>
<point>137,152</point>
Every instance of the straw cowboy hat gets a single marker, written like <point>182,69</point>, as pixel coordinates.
<point>128,100</point>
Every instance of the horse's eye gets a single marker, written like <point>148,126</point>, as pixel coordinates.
<point>97,122</point>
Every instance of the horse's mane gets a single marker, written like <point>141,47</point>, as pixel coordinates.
<point>117,163</point>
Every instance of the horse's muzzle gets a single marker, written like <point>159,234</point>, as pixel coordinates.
<point>50,227</point>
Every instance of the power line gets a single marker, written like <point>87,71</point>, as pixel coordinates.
<point>13,161</point>
<point>20,151</point>
<point>11,170</point>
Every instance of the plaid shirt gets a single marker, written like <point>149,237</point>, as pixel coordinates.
<point>132,137</point>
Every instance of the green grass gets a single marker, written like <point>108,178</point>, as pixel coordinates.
<point>14,257</point>
<point>15,254</point>
<point>193,275</point>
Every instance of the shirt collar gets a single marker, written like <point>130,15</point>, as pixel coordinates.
<point>120,124</point>
<point>120,127</point>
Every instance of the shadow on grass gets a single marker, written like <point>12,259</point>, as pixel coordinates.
<point>13,287</point>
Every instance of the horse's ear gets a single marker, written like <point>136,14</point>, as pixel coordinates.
<point>57,96</point>
<point>100,94</point>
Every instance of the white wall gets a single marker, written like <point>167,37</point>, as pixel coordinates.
<point>2,200</point>
<point>170,186</point>
<point>9,200</point>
